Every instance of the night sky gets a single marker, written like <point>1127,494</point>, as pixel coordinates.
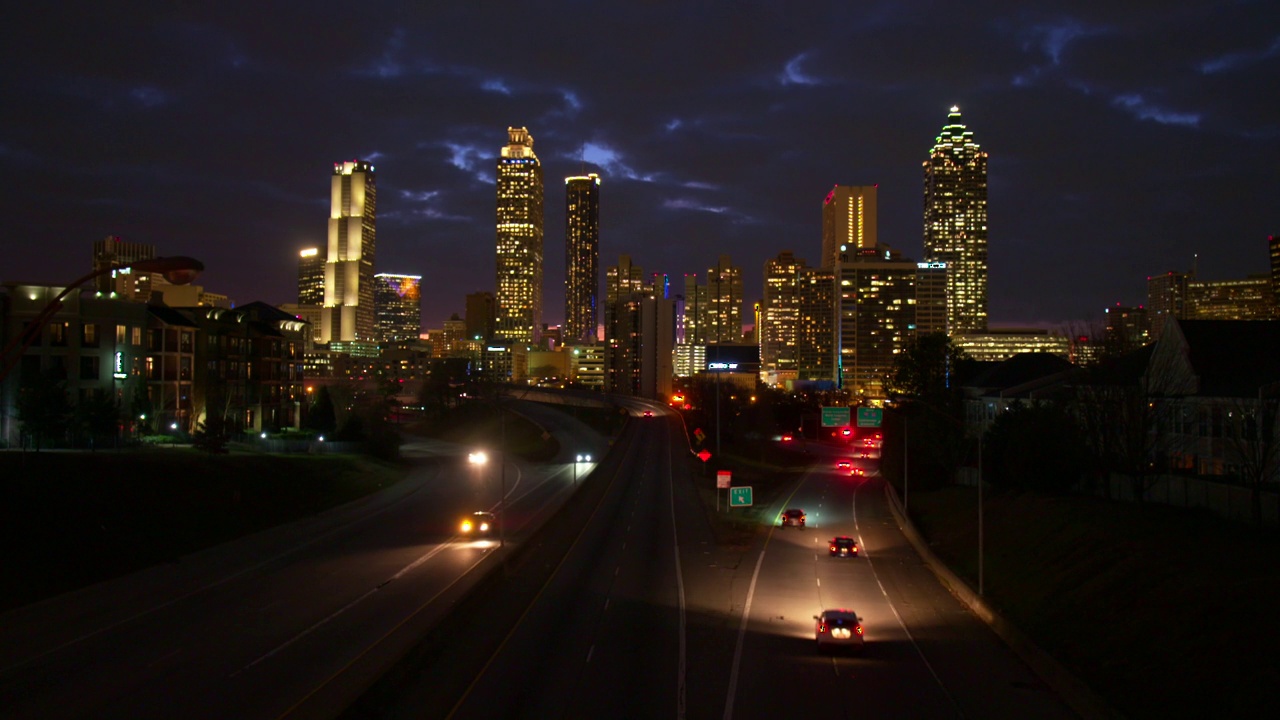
<point>1123,141</point>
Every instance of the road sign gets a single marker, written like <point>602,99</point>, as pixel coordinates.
<point>723,479</point>
<point>835,416</point>
<point>699,434</point>
<point>870,417</point>
<point>704,456</point>
<point>740,497</point>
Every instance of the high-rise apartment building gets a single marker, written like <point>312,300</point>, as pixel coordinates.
<point>582,258</point>
<point>816,328</point>
<point>397,303</point>
<point>955,222</point>
<point>311,264</point>
<point>348,315</point>
<point>480,317</point>
<point>848,222</point>
<point>778,325</point>
<point>724,302</point>
<point>695,320</point>
<point>931,298</point>
<point>625,325</point>
<point>519,271</point>
<point>877,317</point>
<point>125,284</point>
<point>1166,298</point>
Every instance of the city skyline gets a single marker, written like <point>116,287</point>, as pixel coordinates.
<point>1123,143</point>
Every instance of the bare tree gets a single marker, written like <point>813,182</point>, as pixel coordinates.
<point>1250,442</point>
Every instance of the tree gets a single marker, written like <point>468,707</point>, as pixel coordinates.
<point>926,368</point>
<point>98,416</point>
<point>213,434</point>
<point>43,407</point>
<point>321,416</point>
<point>1250,442</point>
<point>1034,446</point>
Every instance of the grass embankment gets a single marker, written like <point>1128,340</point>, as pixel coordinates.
<point>767,468</point>
<point>70,519</point>
<point>1161,610</point>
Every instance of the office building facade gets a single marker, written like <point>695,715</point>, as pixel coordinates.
<point>848,222</point>
<point>398,306</point>
<point>124,284</point>
<point>955,222</point>
<point>519,240</point>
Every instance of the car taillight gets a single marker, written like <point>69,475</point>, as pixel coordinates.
<point>822,627</point>
<point>484,527</point>
<point>858,628</point>
<point>466,526</point>
<point>833,548</point>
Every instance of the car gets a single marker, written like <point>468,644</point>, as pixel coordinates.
<point>857,471</point>
<point>843,546</point>
<point>838,628</point>
<point>845,465</point>
<point>787,438</point>
<point>648,413</point>
<point>792,516</point>
<point>478,523</point>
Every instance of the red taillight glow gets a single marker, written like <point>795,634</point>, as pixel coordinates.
<point>857,629</point>
<point>833,548</point>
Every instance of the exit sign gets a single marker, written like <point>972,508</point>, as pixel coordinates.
<point>835,416</point>
<point>870,417</point>
<point>740,497</point>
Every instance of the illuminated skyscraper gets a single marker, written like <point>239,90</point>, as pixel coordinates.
<point>724,300</point>
<point>582,258</point>
<point>955,223</point>
<point>348,315</point>
<point>780,317</point>
<point>519,294</point>
<point>848,221</point>
<point>311,277</point>
<point>397,300</point>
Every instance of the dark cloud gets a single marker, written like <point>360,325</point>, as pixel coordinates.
<point>1126,138</point>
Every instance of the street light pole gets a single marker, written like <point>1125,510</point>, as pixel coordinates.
<point>981,525</point>
<point>906,474</point>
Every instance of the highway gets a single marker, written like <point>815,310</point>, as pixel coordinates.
<point>646,617</point>
<point>294,622</point>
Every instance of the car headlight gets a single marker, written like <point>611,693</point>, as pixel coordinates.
<point>466,526</point>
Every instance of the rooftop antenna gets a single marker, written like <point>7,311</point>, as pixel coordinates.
<point>1195,263</point>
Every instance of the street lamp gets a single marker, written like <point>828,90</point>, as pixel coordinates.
<point>178,270</point>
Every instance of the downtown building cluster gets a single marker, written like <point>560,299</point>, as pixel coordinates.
<point>174,355</point>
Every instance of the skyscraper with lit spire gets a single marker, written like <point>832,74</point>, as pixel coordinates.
<point>519,271</point>
<point>582,258</point>
<point>955,223</point>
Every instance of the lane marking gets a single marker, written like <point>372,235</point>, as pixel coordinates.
<point>887,599</point>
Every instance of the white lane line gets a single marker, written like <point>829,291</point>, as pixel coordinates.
<point>675,537</point>
<point>742,633</point>
<point>422,559</point>
<point>901,622</point>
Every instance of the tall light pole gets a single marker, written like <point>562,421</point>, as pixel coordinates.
<point>177,269</point>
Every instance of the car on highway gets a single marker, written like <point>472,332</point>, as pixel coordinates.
<point>838,628</point>
<point>648,413</point>
<point>792,517</point>
<point>787,438</point>
<point>845,465</point>
<point>478,523</point>
<point>843,546</point>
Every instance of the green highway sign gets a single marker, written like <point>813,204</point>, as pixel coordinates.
<point>739,497</point>
<point>870,417</point>
<point>835,416</point>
